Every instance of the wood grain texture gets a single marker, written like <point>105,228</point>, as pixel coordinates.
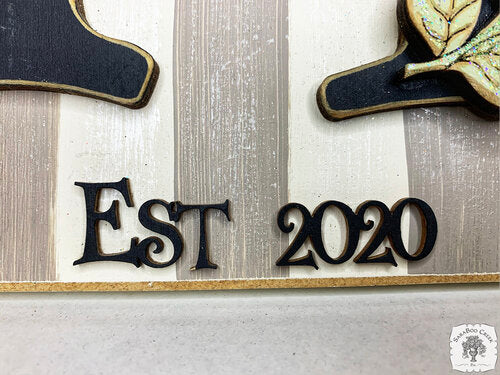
<point>28,152</point>
<point>351,161</point>
<point>453,164</point>
<point>103,142</point>
<point>231,82</point>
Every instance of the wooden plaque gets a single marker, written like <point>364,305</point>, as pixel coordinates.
<point>208,129</point>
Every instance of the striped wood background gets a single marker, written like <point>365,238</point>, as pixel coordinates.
<point>230,64</point>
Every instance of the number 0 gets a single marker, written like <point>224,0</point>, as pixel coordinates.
<point>429,229</point>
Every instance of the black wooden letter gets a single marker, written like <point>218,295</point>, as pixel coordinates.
<point>148,221</point>
<point>203,253</point>
<point>92,252</point>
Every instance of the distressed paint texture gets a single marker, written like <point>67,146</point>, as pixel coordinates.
<point>231,92</point>
<point>350,161</point>
<point>103,142</point>
<point>453,164</point>
<point>28,152</point>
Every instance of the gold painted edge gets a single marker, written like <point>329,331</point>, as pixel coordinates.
<point>136,102</point>
<point>159,286</point>
<point>338,115</point>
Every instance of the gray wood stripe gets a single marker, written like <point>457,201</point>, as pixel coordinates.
<point>28,144</point>
<point>453,164</point>
<point>231,80</point>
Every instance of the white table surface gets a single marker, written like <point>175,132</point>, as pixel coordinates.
<point>343,331</point>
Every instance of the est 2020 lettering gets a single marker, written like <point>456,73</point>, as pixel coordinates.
<point>311,227</point>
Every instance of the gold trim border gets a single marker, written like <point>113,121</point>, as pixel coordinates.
<point>253,284</point>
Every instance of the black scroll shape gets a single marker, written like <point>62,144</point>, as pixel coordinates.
<point>378,87</point>
<point>48,45</point>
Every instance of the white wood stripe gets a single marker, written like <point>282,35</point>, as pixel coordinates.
<point>101,142</point>
<point>356,160</point>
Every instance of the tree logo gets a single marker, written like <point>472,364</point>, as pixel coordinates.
<point>473,348</point>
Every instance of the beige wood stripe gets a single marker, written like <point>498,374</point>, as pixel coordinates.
<point>231,82</point>
<point>453,164</point>
<point>28,158</point>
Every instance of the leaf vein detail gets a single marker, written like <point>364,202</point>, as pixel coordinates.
<point>464,28</point>
<point>456,13</point>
